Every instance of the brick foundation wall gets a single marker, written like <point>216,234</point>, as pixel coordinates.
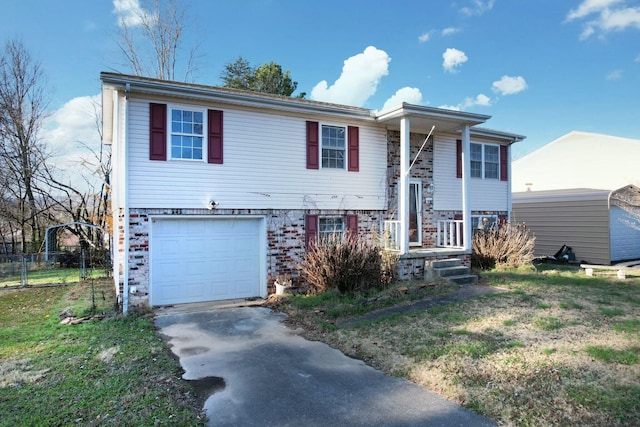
<point>285,240</point>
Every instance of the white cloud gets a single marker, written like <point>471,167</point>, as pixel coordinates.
<point>481,100</point>
<point>611,15</point>
<point>424,37</point>
<point>129,12</point>
<point>453,58</point>
<point>587,7</point>
<point>410,95</point>
<point>478,7</point>
<point>70,128</point>
<point>449,31</point>
<point>508,85</point>
<point>615,75</point>
<point>359,79</point>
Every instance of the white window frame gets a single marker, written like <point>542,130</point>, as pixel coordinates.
<point>170,133</point>
<point>326,233</point>
<point>483,161</point>
<point>345,148</point>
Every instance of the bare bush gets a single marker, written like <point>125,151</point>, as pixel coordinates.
<point>346,263</point>
<point>503,246</point>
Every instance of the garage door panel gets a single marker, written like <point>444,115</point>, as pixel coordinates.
<point>204,259</point>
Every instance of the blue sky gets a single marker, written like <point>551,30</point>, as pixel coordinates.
<point>540,68</point>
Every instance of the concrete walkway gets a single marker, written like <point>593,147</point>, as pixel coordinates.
<point>261,373</point>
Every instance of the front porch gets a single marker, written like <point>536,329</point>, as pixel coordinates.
<point>411,265</point>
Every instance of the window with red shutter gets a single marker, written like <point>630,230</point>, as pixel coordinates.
<point>157,131</point>
<point>354,149</point>
<point>313,146</point>
<point>352,225</point>
<point>504,163</point>
<point>214,140</point>
<point>310,230</point>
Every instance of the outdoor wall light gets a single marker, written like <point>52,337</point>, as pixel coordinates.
<point>212,204</point>
<point>430,188</point>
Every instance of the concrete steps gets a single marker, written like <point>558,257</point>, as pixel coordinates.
<point>450,269</point>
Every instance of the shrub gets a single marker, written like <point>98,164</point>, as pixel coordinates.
<point>502,246</point>
<point>345,263</point>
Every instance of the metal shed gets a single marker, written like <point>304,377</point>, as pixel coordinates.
<point>599,225</point>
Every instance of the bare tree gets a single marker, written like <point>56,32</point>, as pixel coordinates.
<point>85,199</point>
<point>151,39</point>
<point>22,109</point>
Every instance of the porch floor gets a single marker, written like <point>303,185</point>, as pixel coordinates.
<point>434,252</point>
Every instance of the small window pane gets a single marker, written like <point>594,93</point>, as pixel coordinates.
<point>491,170</point>
<point>476,169</point>
<point>476,152</point>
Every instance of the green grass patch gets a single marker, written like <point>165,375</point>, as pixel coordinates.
<point>606,354</point>
<point>629,326</point>
<point>51,276</point>
<point>111,371</point>
<point>570,305</point>
<point>509,322</point>
<point>547,323</point>
<point>611,312</point>
<point>621,400</point>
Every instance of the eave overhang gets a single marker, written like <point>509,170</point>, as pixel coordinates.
<point>196,92</point>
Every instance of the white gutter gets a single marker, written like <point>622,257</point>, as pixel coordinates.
<point>235,97</point>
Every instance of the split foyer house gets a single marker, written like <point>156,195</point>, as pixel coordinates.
<point>216,191</point>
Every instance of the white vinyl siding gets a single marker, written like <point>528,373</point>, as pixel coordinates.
<point>486,194</point>
<point>264,167</point>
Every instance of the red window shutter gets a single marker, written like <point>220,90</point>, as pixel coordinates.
<point>459,159</point>
<point>353,133</point>
<point>504,163</point>
<point>313,146</point>
<point>157,131</point>
<point>352,225</point>
<point>214,140</point>
<point>310,230</point>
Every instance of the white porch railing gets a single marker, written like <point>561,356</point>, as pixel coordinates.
<point>391,235</point>
<point>449,234</point>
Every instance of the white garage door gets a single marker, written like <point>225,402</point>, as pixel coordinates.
<point>195,260</point>
<point>625,238</point>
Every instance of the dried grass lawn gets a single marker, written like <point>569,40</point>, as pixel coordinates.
<point>557,348</point>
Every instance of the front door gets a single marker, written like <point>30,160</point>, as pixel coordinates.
<point>415,213</point>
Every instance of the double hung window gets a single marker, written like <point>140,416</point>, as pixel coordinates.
<point>330,226</point>
<point>333,146</point>
<point>485,161</point>
<point>187,134</point>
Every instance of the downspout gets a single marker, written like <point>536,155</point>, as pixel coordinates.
<point>509,191</point>
<point>125,186</point>
<point>466,190</point>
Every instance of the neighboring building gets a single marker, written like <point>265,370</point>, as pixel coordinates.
<point>579,160</point>
<point>596,224</point>
<point>216,191</point>
<point>566,193</point>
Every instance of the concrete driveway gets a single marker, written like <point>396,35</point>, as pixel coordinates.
<point>261,373</point>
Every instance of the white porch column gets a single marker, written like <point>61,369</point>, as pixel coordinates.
<point>466,188</point>
<point>403,185</point>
